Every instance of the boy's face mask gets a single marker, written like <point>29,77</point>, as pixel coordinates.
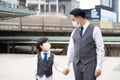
<point>47,46</point>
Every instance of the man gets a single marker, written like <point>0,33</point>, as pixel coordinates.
<point>85,49</point>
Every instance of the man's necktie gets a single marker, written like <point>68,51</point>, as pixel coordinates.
<point>45,57</point>
<point>81,31</point>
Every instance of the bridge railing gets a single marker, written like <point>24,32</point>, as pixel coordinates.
<point>116,28</point>
<point>51,24</point>
<point>12,24</point>
<point>37,23</point>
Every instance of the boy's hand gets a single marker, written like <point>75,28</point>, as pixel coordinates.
<point>66,71</point>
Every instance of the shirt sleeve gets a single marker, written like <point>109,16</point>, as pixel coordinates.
<point>97,36</point>
<point>35,63</point>
<point>70,51</point>
<point>57,65</point>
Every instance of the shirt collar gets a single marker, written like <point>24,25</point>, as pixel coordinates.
<point>86,25</point>
<point>48,53</point>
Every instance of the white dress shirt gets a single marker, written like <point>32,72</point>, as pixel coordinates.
<point>97,36</point>
<point>55,64</point>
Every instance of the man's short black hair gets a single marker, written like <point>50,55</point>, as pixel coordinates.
<point>78,12</point>
<point>40,42</point>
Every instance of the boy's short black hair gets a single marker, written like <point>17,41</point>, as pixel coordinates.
<point>78,12</point>
<point>40,42</point>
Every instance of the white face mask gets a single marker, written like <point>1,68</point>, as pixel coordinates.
<point>75,24</point>
<point>47,46</point>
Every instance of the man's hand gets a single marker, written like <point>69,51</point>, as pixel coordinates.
<point>97,73</point>
<point>66,71</point>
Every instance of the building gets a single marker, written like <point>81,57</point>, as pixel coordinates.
<point>10,4</point>
<point>11,9</point>
<point>106,11</point>
<point>52,6</point>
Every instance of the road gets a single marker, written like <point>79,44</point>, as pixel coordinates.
<point>20,67</point>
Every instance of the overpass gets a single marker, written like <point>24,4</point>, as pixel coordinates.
<point>52,24</point>
<point>24,31</point>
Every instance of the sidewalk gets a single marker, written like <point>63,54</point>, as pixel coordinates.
<point>19,67</point>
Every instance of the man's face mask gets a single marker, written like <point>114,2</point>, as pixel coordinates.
<point>75,24</point>
<point>47,46</point>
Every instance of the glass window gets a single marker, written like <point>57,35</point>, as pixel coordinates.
<point>47,8</point>
<point>32,7</point>
<point>62,9</point>
<point>42,8</point>
<point>105,3</point>
<point>53,8</point>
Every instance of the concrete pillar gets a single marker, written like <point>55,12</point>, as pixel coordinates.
<point>49,8</point>
<point>57,10</point>
<point>32,46</point>
<point>13,47</point>
<point>45,8</point>
<point>8,47</point>
<point>39,8</point>
<point>26,3</point>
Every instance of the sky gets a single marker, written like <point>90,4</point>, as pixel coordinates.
<point>87,4</point>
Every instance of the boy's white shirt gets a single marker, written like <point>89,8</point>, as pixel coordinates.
<point>56,65</point>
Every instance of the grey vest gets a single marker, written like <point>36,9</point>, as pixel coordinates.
<point>44,68</point>
<point>84,47</point>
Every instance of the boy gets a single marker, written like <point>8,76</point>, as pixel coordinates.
<point>44,61</point>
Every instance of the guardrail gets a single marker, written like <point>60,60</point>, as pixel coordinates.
<point>37,23</point>
<point>51,24</point>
